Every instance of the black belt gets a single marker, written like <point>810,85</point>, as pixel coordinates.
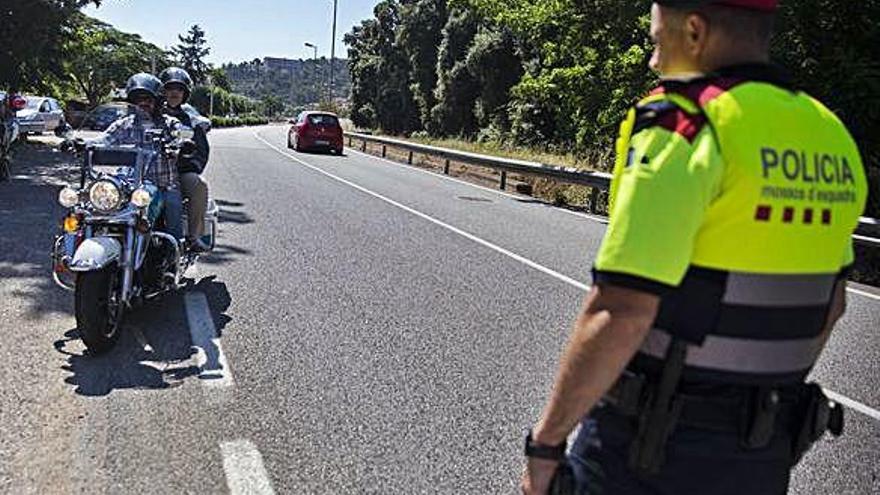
<point>731,413</point>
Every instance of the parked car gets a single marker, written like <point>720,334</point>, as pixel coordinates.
<point>101,118</point>
<point>75,111</point>
<point>41,114</point>
<point>316,130</point>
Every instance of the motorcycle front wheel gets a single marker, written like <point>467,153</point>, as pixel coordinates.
<point>98,311</point>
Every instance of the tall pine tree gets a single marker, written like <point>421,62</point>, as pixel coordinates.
<point>191,52</point>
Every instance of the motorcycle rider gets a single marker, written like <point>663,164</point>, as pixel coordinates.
<point>177,87</point>
<point>144,91</point>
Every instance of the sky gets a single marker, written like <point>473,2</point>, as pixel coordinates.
<point>239,30</point>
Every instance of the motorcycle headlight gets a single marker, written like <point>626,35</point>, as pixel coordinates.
<point>141,198</point>
<point>68,197</point>
<point>104,195</point>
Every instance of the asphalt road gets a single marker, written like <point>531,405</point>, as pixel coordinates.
<point>363,327</point>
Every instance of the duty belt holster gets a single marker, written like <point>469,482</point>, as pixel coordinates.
<point>659,415</point>
<point>819,415</point>
<point>760,418</point>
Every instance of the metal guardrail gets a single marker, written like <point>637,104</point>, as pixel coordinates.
<point>868,231</point>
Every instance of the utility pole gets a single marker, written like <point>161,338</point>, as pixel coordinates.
<point>333,51</point>
<point>210,97</point>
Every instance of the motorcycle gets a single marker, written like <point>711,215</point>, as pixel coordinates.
<point>9,105</point>
<point>113,254</point>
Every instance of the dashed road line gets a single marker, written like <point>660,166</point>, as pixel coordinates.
<point>853,404</point>
<point>213,367</point>
<point>243,465</point>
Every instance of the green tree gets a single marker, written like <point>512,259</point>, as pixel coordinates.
<point>191,53</point>
<point>98,58</point>
<point>419,36</point>
<point>457,88</point>
<point>495,65</point>
<point>272,106</point>
<point>220,79</point>
<point>31,39</point>
<point>381,94</point>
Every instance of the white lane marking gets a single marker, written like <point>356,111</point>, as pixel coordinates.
<point>213,368</point>
<point>846,401</point>
<point>857,406</point>
<point>505,252</point>
<point>863,293</point>
<point>243,465</point>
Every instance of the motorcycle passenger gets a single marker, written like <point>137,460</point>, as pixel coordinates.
<point>143,90</point>
<point>177,87</point>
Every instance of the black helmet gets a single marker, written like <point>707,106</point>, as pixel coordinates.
<point>177,75</point>
<point>142,83</point>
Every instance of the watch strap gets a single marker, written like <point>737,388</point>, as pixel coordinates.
<point>547,452</point>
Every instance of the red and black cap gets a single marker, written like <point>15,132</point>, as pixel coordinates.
<point>764,5</point>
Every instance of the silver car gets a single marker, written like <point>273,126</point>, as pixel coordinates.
<point>42,114</point>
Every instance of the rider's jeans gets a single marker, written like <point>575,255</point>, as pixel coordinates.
<point>697,462</point>
<point>196,190</point>
<point>173,212</point>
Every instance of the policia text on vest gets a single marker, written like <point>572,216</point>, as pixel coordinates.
<point>815,177</point>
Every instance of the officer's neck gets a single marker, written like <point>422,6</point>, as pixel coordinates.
<point>728,56</point>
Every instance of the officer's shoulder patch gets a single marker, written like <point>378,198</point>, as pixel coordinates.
<point>669,115</point>
<point>700,91</point>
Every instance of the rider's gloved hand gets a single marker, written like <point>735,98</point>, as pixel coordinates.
<point>188,148</point>
<point>72,145</point>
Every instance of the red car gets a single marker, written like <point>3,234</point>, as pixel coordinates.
<point>316,130</point>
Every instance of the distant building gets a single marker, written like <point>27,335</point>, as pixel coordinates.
<point>287,64</point>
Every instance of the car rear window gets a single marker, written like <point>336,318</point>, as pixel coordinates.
<point>326,120</point>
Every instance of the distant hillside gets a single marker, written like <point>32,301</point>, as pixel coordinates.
<point>296,82</point>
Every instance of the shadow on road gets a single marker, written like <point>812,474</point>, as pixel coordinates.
<point>29,219</point>
<point>155,350</point>
<point>228,213</point>
<point>223,254</point>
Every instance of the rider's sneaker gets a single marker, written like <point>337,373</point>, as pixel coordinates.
<point>198,246</point>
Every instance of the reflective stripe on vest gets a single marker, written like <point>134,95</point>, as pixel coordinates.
<point>742,355</point>
<point>778,290</point>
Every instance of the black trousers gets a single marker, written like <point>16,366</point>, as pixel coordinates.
<point>698,462</point>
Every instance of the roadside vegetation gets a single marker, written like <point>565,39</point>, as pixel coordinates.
<point>558,76</point>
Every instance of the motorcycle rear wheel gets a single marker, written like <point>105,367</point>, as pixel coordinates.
<point>98,311</point>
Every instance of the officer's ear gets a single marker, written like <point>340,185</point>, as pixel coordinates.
<point>696,34</point>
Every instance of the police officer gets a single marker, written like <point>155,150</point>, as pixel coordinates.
<point>720,278</point>
<point>177,87</point>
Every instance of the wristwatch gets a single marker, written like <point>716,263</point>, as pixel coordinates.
<point>541,451</point>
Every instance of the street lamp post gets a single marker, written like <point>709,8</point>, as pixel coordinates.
<point>315,47</point>
<point>310,45</point>
<point>210,96</point>
<point>333,50</point>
